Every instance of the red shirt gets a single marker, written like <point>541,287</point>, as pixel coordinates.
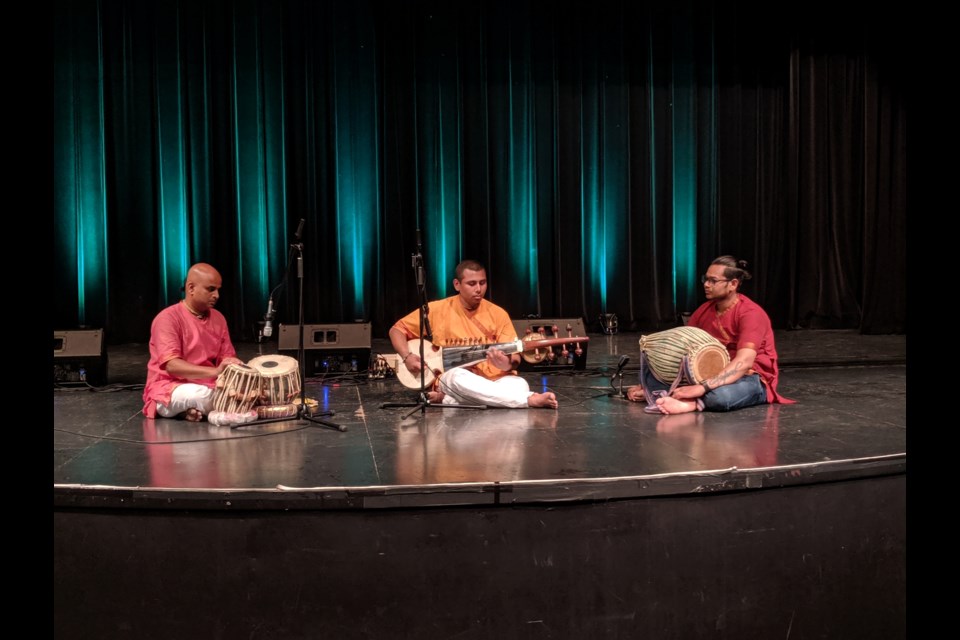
<point>744,323</point>
<point>177,333</point>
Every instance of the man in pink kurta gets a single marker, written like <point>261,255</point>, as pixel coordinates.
<point>189,347</point>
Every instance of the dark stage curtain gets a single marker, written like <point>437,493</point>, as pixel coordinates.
<point>595,157</point>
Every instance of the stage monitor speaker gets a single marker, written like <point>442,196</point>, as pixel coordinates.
<point>524,326</point>
<point>328,348</point>
<point>79,357</point>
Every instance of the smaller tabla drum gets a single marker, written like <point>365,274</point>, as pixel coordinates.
<point>238,389</point>
<point>280,377</point>
<point>687,352</point>
<point>277,411</point>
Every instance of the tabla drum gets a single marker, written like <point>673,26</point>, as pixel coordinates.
<point>687,352</point>
<point>281,379</point>
<point>238,389</point>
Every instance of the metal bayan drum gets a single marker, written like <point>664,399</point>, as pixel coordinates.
<point>280,376</point>
<point>686,353</point>
<point>238,388</point>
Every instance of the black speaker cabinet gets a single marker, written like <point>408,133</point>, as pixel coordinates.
<point>79,357</point>
<point>328,348</point>
<point>566,327</point>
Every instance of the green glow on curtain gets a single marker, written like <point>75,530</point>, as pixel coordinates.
<point>615,169</point>
<point>274,218</point>
<point>80,203</point>
<point>356,137</point>
<point>172,207</point>
<point>258,172</point>
<point>521,206</point>
<point>684,141</point>
<point>594,254</point>
<point>439,160</point>
<point>604,170</point>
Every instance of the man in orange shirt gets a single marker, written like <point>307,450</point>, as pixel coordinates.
<point>469,316</point>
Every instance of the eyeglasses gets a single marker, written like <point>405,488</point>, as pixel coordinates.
<point>712,281</point>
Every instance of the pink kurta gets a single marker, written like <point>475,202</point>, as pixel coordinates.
<point>177,333</point>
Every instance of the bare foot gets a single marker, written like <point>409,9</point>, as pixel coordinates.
<point>435,397</point>
<point>192,415</point>
<point>546,400</point>
<point>672,405</point>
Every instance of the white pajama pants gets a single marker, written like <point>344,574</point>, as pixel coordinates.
<point>461,386</point>
<point>187,396</point>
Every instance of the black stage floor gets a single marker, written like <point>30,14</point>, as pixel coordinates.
<point>850,418</point>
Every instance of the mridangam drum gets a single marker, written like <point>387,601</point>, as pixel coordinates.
<point>687,351</point>
<point>280,376</point>
<point>238,389</point>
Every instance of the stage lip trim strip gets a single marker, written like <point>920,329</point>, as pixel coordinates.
<point>484,494</point>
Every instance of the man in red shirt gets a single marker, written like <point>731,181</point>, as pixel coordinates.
<point>190,347</point>
<point>744,328</point>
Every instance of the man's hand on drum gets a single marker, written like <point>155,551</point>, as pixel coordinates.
<point>226,363</point>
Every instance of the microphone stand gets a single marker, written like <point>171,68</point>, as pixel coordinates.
<point>304,415</point>
<point>296,249</point>
<point>423,400</point>
<point>619,374</point>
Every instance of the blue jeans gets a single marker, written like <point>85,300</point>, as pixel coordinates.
<point>745,392</point>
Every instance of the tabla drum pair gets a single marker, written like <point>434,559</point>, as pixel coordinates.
<point>270,381</point>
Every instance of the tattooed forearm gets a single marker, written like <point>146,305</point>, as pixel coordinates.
<point>731,374</point>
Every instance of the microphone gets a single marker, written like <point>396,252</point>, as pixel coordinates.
<point>299,233</point>
<point>623,362</point>
<point>268,325</point>
<point>418,261</point>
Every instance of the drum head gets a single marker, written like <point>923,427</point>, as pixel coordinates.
<point>707,362</point>
<point>274,365</point>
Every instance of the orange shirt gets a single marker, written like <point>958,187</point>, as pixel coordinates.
<point>450,322</point>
